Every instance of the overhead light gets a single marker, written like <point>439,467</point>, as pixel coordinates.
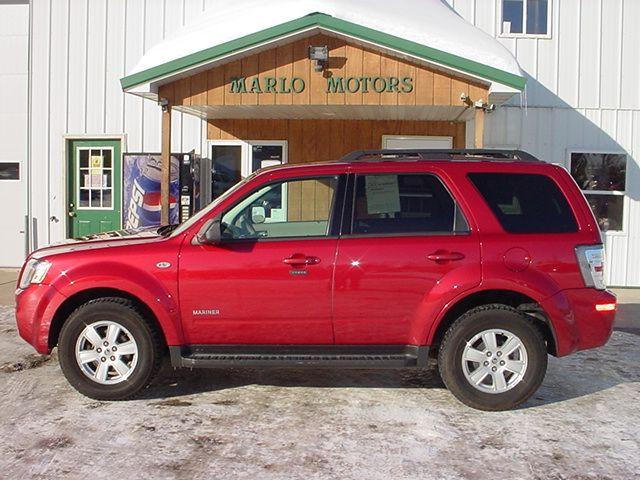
<point>164,103</point>
<point>320,55</point>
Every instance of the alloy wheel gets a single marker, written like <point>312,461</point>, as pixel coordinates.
<point>106,352</point>
<point>494,361</point>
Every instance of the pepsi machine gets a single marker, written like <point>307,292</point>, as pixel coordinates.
<point>141,180</point>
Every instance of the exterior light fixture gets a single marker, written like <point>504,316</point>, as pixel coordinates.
<point>164,103</point>
<point>320,55</point>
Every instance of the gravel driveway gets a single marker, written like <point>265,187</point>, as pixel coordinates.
<point>584,423</point>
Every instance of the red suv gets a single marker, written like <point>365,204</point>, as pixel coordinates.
<point>484,260</point>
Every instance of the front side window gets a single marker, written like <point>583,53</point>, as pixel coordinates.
<point>526,203</point>
<point>525,17</point>
<point>404,204</point>
<point>602,178</point>
<point>289,209</point>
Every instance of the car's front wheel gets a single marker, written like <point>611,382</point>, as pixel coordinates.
<point>108,351</point>
<point>493,358</point>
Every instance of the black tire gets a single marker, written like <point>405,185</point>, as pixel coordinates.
<point>148,339</point>
<point>475,321</point>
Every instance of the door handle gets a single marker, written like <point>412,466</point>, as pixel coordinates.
<point>299,259</point>
<point>442,256</point>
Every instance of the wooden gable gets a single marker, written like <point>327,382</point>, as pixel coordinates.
<point>284,75</point>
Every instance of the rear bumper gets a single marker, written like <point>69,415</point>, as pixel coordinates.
<point>576,322</point>
<point>35,308</point>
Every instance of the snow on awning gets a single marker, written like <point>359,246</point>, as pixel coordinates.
<point>424,30</point>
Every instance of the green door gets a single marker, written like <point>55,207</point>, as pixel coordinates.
<point>94,186</point>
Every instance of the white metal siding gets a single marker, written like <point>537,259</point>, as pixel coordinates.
<point>14,52</point>
<point>81,49</point>
<point>583,92</point>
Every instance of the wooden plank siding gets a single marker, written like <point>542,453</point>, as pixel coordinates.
<point>430,86</point>
<point>325,140</point>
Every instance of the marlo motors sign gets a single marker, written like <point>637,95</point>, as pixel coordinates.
<point>335,84</point>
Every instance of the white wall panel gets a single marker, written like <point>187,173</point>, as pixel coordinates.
<point>584,90</point>
<point>633,181</point>
<point>610,59</point>
<point>569,55</point>
<point>134,40</point>
<point>589,51</point>
<point>630,74</point>
<point>96,65</point>
<point>57,112</point>
<point>115,66</point>
<point>14,52</point>
<point>39,122</point>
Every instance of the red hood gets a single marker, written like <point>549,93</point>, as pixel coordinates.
<point>100,240</point>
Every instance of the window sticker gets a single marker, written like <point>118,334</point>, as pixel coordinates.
<point>96,161</point>
<point>383,194</point>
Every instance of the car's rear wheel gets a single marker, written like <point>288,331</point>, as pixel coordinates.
<point>108,351</point>
<point>493,358</point>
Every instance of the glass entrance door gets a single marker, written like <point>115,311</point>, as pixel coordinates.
<point>232,160</point>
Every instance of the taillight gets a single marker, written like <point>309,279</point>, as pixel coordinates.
<point>605,307</point>
<point>591,261</point>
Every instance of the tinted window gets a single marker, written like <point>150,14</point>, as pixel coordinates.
<point>404,204</point>
<point>526,203</point>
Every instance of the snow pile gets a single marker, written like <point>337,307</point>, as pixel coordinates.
<point>428,22</point>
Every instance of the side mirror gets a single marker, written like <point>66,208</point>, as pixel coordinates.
<point>211,233</point>
<point>258,215</point>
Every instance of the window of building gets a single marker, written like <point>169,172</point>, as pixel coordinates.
<point>526,203</point>
<point>602,178</point>
<point>9,171</point>
<point>289,209</point>
<point>404,204</point>
<point>525,17</point>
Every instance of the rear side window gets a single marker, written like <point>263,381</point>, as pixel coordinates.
<point>526,203</point>
<point>404,204</point>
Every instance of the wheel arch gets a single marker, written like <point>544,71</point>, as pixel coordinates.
<point>80,298</point>
<point>512,298</point>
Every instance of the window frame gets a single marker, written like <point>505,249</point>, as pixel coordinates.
<point>245,151</point>
<point>350,205</point>
<point>547,35</point>
<point>625,203</point>
<point>335,212</point>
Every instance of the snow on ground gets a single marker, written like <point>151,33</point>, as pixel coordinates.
<point>584,423</point>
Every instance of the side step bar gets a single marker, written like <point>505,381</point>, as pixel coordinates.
<point>329,356</point>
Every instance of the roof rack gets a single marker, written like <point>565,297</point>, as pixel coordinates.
<point>420,154</point>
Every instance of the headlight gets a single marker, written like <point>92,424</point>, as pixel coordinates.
<point>34,272</point>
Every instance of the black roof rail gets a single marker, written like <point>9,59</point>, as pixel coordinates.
<point>425,154</point>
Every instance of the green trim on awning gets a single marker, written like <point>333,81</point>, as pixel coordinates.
<point>328,22</point>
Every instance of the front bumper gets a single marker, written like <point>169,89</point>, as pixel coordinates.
<point>576,322</point>
<point>35,309</point>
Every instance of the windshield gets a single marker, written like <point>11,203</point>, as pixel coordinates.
<point>205,211</point>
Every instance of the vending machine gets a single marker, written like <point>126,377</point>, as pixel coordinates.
<point>141,179</point>
<point>190,192</point>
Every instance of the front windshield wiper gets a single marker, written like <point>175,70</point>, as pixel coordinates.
<point>166,230</point>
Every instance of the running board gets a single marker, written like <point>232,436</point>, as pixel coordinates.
<point>329,356</point>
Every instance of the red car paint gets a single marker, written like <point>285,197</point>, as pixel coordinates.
<point>383,290</point>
